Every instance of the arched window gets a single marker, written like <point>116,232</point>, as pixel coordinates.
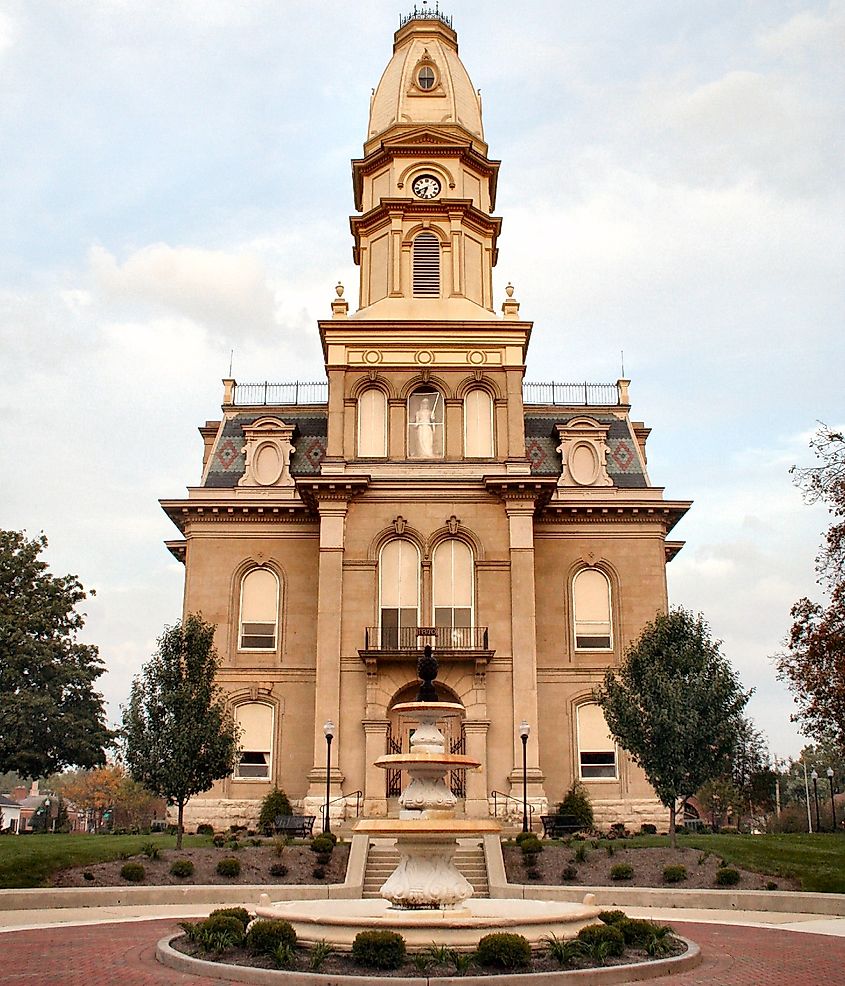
<point>425,424</point>
<point>596,747</point>
<point>452,593</point>
<point>255,720</point>
<point>426,266</point>
<point>259,610</point>
<point>372,423</point>
<point>399,592</point>
<point>591,597</point>
<point>478,425</point>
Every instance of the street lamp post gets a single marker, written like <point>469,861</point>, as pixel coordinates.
<point>524,731</point>
<point>815,777</point>
<point>328,729</point>
<point>832,802</point>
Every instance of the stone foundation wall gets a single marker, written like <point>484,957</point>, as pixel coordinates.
<point>633,812</point>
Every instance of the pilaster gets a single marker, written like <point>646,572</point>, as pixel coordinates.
<point>476,804</point>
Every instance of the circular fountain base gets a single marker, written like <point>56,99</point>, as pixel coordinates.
<point>339,921</point>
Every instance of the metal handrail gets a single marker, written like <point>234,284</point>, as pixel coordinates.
<point>268,393</point>
<point>358,796</point>
<point>508,797</point>
<point>571,394</point>
<point>415,638</point>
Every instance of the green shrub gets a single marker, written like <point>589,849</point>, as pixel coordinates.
<point>523,836</point>
<point>320,951</point>
<point>151,850</point>
<point>580,854</point>
<point>609,848</point>
<point>379,949</point>
<point>533,873</point>
<point>219,841</point>
<point>602,938</point>
<point>561,950</point>
<point>133,872</point>
<point>569,873</point>
<point>324,858</point>
<point>278,870</point>
<point>275,803</point>
<point>674,873</point>
<point>88,875</point>
<point>531,846</point>
<point>319,873</point>
<point>264,937</point>
<point>621,871</point>
<point>181,867</point>
<point>280,843</point>
<point>636,931</point>
<point>240,913</point>
<point>648,829</point>
<point>229,866</point>
<point>322,844</point>
<point>503,950</point>
<point>576,802</point>
<point>612,917</point>
<point>205,829</point>
<point>233,845</point>
<point>771,885</point>
<point>217,933</point>
<point>727,876</point>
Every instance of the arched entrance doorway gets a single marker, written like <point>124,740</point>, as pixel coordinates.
<point>400,731</point>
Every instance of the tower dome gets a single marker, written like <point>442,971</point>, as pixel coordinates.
<point>425,82</point>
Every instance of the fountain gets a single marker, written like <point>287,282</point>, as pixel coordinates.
<point>426,898</point>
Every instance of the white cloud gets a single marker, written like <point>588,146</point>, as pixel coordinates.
<point>211,286</point>
<point>807,30</point>
<point>7,32</point>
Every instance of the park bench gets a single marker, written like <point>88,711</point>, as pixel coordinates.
<point>298,825</point>
<point>556,826</point>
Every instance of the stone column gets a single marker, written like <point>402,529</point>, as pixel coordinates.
<point>332,508</point>
<point>520,512</point>
<point>476,804</point>
<point>375,781</point>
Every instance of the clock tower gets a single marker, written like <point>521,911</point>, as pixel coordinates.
<point>426,237</point>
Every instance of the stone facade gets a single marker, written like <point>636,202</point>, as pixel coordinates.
<point>423,497</point>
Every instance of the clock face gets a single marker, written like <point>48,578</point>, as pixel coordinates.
<point>426,187</point>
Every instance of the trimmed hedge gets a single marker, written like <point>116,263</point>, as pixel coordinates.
<point>727,876</point>
<point>674,873</point>
<point>181,868</point>
<point>621,871</point>
<point>265,936</point>
<point>379,949</point>
<point>595,935</point>
<point>240,913</point>
<point>133,872</point>
<point>229,866</point>
<point>503,950</point>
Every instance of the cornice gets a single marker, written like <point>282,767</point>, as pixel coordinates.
<point>667,512</point>
<point>224,510</point>
<point>537,490</point>
<point>445,209</point>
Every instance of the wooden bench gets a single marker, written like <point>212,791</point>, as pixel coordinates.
<point>298,825</point>
<point>556,826</point>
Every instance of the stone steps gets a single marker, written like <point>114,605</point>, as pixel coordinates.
<point>382,861</point>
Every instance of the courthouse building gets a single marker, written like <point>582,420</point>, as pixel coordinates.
<point>424,493</point>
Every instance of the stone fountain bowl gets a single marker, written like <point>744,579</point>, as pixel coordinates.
<point>440,709</point>
<point>427,829</point>
<point>461,928</point>
<point>426,761</point>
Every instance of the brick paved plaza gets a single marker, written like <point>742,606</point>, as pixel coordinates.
<point>124,954</point>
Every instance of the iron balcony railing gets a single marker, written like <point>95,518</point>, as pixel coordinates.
<point>298,392</point>
<point>416,638</point>
<point>425,13</point>
<point>571,394</point>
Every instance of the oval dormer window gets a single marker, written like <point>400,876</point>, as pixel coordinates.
<point>583,463</point>
<point>425,78</point>
<point>268,464</point>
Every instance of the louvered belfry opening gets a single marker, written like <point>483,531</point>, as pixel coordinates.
<point>426,266</point>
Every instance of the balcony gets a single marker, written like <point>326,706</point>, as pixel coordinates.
<point>575,394</point>
<point>408,642</point>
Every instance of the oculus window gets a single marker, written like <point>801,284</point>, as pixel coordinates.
<point>255,720</point>
<point>596,747</point>
<point>425,424</point>
<point>591,598</point>
<point>426,78</point>
<point>259,610</point>
<point>399,591</point>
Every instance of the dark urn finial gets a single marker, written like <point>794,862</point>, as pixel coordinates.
<point>427,672</point>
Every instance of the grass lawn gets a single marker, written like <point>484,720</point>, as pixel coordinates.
<point>28,860</point>
<point>818,861</point>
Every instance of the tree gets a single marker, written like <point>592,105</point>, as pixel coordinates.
<point>719,798</point>
<point>178,735</point>
<point>675,705</point>
<point>813,665</point>
<point>51,717</point>
<point>751,771</point>
<point>93,791</point>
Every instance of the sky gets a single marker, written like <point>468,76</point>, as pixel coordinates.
<point>175,185</point>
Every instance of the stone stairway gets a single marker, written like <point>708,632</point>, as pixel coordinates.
<point>383,859</point>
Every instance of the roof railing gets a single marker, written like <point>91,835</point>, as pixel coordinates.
<point>425,13</point>
<point>267,393</point>
<point>576,394</point>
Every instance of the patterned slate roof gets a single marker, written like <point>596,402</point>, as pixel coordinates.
<point>541,441</point>
<point>226,464</point>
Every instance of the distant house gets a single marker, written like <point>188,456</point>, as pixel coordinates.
<point>10,811</point>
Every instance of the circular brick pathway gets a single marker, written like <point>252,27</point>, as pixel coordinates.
<point>124,954</point>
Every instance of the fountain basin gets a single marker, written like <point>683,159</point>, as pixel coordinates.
<point>339,921</point>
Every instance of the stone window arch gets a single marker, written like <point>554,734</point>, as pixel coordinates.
<point>260,599</point>
<point>399,594</point>
<point>592,610</point>
<point>256,723</point>
<point>426,424</point>
<point>478,424</point>
<point>372,423</point>
<point>597,759</point>
<point>453,591</point>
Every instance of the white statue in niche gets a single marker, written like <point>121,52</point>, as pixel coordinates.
<point>424,426</point>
